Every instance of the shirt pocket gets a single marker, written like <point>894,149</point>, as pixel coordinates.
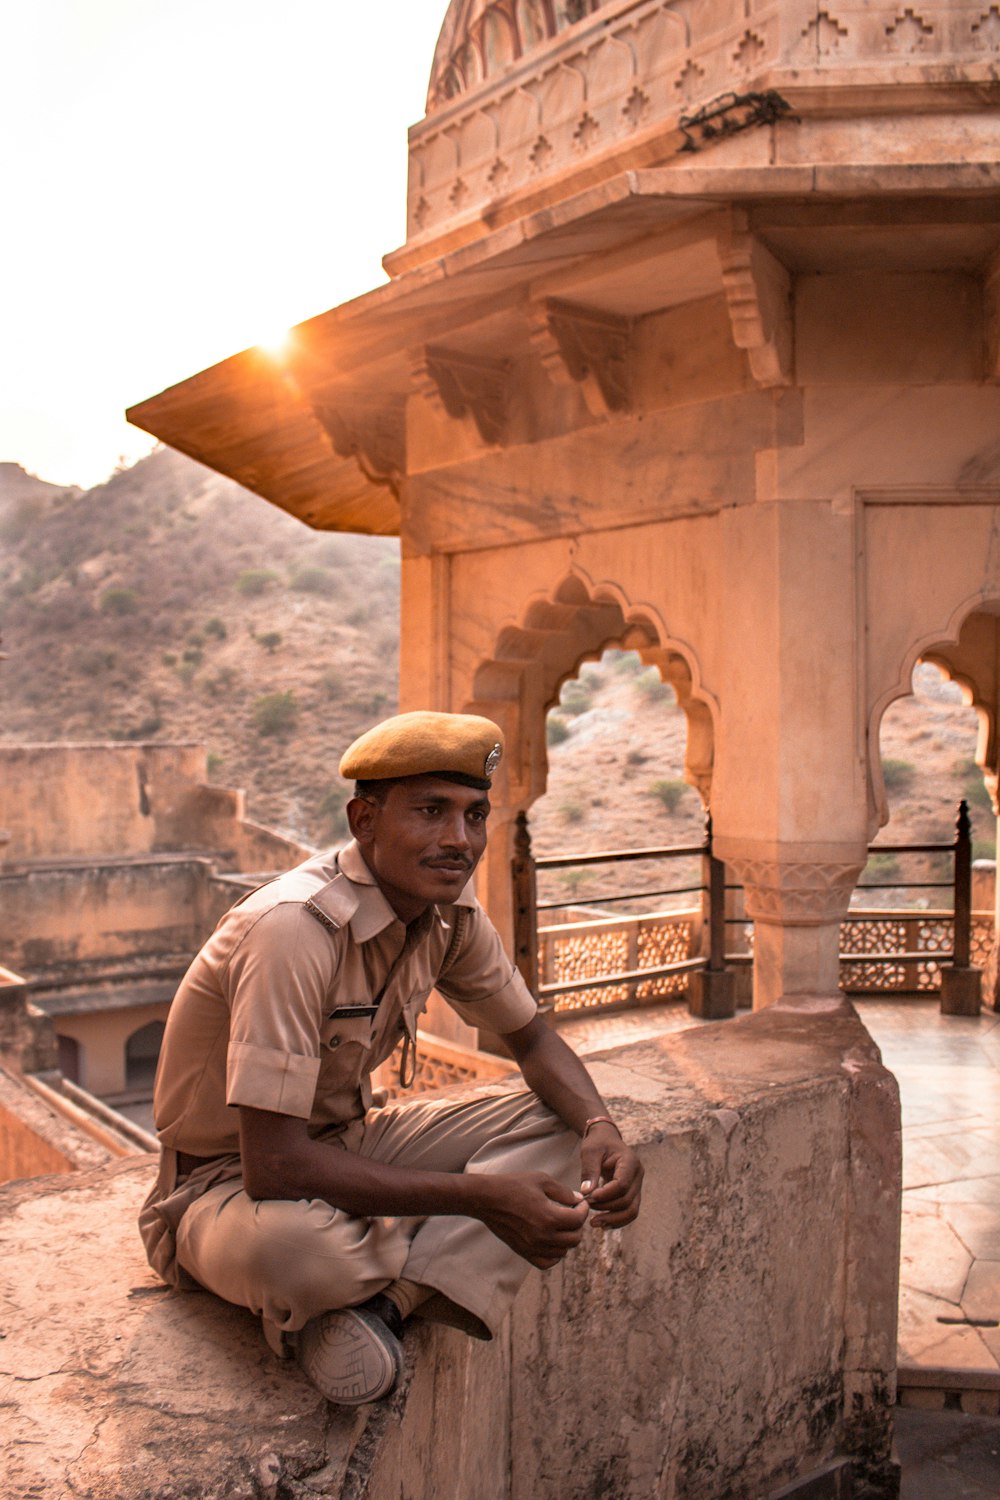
<point>346,1039</point>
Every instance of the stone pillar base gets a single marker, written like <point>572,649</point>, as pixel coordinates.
<point>712,995</point>
<point>743,986</point>
<point>961,992</point>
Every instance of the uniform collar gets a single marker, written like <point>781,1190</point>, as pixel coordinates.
<point>373,912</point>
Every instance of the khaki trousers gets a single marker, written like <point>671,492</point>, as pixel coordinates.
<point>290,1261</point>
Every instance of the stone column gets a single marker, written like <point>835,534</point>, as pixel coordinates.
<point>797,908</point>
<point>789,794</point>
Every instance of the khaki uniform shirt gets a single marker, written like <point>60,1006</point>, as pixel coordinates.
<point>307,985</point>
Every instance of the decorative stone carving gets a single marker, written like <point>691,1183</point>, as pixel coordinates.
<point>909,32</point>
<point>466,387</point>
<point>758,291</point>
<point>498,174</point>
<point>374,436</point>
<point>539,154</point>
<point>636,108</point>
<point>986,31</point>
<point>796,895</point>
<point>585,132</point>
<point>589,348</point>
<point>749,51</point>
<point>689,80</point>
<point>824,34</point>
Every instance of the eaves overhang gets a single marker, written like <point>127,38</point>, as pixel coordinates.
<point>321,430</point>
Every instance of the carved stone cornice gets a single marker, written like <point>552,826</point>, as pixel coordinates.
<point>759,293</point>
<point>589,348</point>
<point>796,895</point>
<point>373,435</point>
<point>466,387</point>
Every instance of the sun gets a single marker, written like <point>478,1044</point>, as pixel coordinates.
<point>275,341</point>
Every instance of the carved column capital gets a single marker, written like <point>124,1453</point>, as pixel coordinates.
<point>466,387</point>
<point>759,293</point>
<point>796,894</point>
<point>589,348</point>
<point>373,435</point>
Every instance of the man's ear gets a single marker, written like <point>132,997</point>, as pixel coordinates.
<point>361,819</point>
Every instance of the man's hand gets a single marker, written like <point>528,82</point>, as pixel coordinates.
<point>534,1214</point>
<point>612,1177</point>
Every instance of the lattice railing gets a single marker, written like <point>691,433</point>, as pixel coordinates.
<point>573,951</point>
<point>587,950</point>
<point>911,935</point>
<point>440,1064</point>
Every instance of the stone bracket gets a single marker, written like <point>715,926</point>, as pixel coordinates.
<point>586,347</point>
<point>991,310</point>
<point>373,435</point>
<point>759,293</point>
<point>467,388</point>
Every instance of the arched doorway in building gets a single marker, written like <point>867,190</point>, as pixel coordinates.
<point>905,899</point>
<point>69,1058</point>
<point>617,738</point>
<point>569,684</point>
<point>142,1051</point>
<point>946,702</point>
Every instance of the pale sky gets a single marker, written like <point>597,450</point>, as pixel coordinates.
<point>180,179</point>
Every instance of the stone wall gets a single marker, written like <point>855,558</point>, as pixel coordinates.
<point>36,1140</point>
<point>61,916</point>
<point>64,801</point>
<point>739,1336</point>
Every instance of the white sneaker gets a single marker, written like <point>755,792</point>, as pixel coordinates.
<point>350,1355</point>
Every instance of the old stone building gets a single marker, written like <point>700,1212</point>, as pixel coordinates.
<point>116,862</point>
<point>693,346</point>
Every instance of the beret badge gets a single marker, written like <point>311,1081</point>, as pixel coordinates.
<point>493,760</point>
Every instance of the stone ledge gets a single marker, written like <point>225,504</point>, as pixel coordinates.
<point>679,1357</point>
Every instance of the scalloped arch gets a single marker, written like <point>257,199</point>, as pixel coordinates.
<point>557,632</point>
<point>937,647</point>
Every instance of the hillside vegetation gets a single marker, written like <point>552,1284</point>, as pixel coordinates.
<point>170,603</point>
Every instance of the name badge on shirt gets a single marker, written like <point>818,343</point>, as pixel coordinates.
<point>353,1013</point>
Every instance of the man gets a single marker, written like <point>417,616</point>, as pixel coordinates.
<point>281,1188</point>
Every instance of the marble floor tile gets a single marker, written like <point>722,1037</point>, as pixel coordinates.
<point>984,1190</point>
<point>947,1158</point>
<point>977,1226</point>
<point>933,1259</point>
<point>981,1297</point>
<point>925,1343</point>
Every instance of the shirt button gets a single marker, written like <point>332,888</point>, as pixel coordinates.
<point>335,1041</point>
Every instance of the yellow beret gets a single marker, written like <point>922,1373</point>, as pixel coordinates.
<point>458,747</point>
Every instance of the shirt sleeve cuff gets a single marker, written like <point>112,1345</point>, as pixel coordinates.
<point>264,1079</point>
<point>507,1009</point>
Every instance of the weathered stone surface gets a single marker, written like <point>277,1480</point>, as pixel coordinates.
<point>742,1333</point>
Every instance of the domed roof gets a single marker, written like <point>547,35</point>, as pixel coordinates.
<point>479,38</point>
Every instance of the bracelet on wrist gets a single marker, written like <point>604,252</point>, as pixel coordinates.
<point>599,1120</point>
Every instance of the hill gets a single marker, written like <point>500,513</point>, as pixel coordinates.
<point>170,603</point>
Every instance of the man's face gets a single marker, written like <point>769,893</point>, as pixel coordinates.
<point>423,842</point>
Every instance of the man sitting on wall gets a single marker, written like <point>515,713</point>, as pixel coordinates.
<point>282,1188</point>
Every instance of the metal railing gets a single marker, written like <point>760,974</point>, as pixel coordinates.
<point>640,976</point>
